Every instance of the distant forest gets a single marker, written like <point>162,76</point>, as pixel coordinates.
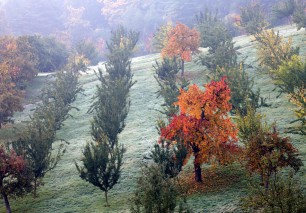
<point>74,20</point>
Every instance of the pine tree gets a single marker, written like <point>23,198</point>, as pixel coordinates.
<point>253,19</point>
<point>155,193</point>
<point>216,37</point>
<point>102,159</point>
<point>102,164</point>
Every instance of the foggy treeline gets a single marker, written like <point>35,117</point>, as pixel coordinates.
<point>75,20</point>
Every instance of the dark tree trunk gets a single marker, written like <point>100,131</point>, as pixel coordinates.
<point>35,188</point>
<point>106,204</point>
<point>197,165</point>
<point>7,203</point>
<point>183,67</point>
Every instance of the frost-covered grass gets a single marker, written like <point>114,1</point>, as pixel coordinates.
<point>63,190</point>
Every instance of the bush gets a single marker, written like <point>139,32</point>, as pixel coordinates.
<point>284,196</point>
<point>170,158</point>
<point>155,193</point>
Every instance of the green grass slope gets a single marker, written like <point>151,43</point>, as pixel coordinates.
<point>63,191</point>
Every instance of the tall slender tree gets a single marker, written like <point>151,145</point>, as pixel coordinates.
<point>102,159</point>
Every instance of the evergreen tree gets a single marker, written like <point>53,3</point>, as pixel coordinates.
<point>102,164</point>
<point>241,86</point>
<point>155,193</point>
<point>169,83</point>
<point>103,158</point>
<point>216,37</point>
<point>111,101</point>
<point>169,157</point>
<point>252,18</point>
<point>272,50</point>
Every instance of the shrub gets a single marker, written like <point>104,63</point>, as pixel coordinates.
<point>170,158</point>
<point>284,196</point>
<point>155,193</point>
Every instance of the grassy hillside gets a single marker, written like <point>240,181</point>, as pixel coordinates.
<point>64,191</point>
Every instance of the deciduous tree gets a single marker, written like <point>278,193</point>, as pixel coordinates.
<point>182,42</point>
<point>266,152</point>
<point>203,125</point>
<point>13,175</point>
<point>10,96</point>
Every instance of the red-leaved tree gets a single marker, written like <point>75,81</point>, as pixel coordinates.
<point>267,152</point>
<point>182,42</point>
<point>12,167</point>
<point>204,125</point>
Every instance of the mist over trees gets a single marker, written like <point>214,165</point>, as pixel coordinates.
<point>72,21</point>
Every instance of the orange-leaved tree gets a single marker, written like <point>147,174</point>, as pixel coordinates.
<point>10,96</point>
<point>204,125</point>
<point>182,42</point>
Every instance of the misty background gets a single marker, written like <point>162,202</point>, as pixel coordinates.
<point>71,21</point>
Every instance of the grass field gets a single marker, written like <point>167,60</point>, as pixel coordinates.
<point>63,190</point>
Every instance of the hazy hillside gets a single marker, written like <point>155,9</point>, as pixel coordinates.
<point>64,191</point>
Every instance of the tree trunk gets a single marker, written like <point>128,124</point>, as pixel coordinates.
<point>105,193</point>
<point>7,203</point>
<point>197,165</point>
<point>35,187</point>
<point>183,67</point>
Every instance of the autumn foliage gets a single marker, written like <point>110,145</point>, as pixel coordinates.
<point>11,168</point>
<point>268,152</point>
<point>204,126</point>
<point>182,42</point>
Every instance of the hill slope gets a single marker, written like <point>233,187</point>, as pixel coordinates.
<point>65,192</point>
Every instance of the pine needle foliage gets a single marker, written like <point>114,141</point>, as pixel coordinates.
<point>155,193</point>
<point>241,86</point>
<point>272,50</point>
<point>101,165</point>
<point>170,158</point>
<point>169,84</point>
<point>290,78</point>
<point>102,158</point>
<point>216,37</point>
<point>252,18</point>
